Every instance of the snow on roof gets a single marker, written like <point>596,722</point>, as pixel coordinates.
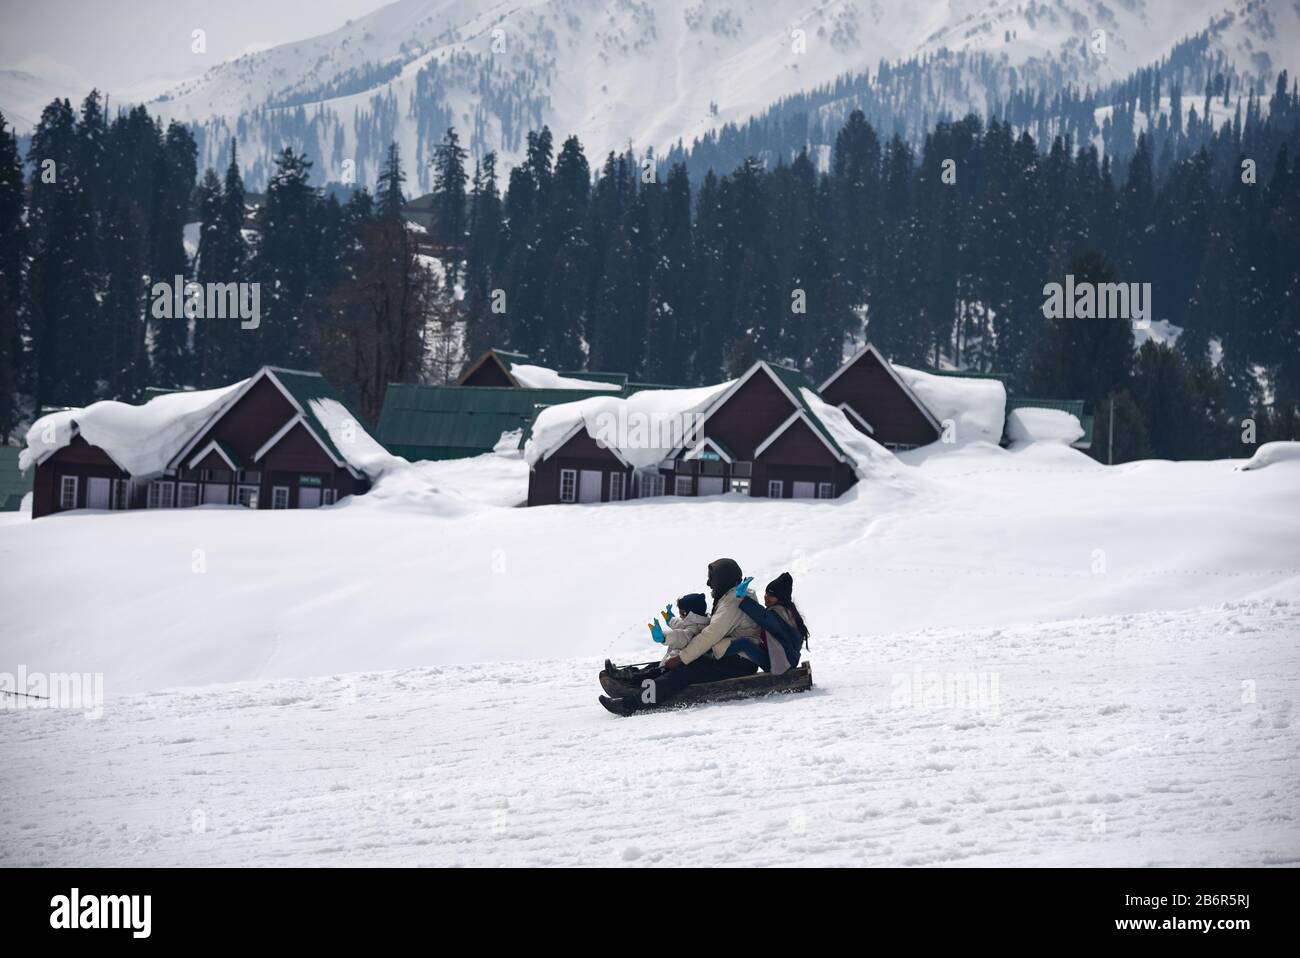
<point>140,439</point>
<point>361,450</point>
<point>868,457</point>
<point>541,377</point>
<point>644,428</point>
<point>1032,424</point>
<point>977,407</point>
<point>1272,452</point>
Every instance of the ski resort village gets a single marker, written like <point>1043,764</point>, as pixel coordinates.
<point>689,433</point>
<point>1015,648</point>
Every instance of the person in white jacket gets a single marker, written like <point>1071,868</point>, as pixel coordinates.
<point>692,616</point>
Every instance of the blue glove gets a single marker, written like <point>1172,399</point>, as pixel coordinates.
<point>743,587</point>
<point>668,612</point>
<point>657,633</point>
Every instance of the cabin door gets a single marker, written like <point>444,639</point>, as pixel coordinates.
<point>805,490</point>
<point>98,493</point>
<point>589,486</point>
<point>308,497</point>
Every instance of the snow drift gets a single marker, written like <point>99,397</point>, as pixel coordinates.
<point>976,407</point>
<point>1043,425</point>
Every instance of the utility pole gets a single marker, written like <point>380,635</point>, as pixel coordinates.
<point>1110,434</point>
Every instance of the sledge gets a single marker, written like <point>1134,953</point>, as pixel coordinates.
<point>798,679</point>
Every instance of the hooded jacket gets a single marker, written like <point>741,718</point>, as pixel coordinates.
<point>727,622</point>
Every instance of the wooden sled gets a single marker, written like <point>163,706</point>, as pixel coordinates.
<point>747,686</point>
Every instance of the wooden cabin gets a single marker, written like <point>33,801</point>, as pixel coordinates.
<point>759,438</point>
<point>264,447</point>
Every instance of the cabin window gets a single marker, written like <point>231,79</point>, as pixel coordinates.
<point>247,497</point>
<point>68,492</point>
<point>713,467</point>
<point>651,485</point>
<point>775,489</point>
<point>280,497</point>
<point>683,486</point>
<point>568,485</point>
<point>742,469</point>
<point>119,493</point>
<point>616,486</point>
<point>825,490</point>
<point>686,466</point>
<point>188,494</point>
<point>162,495</point>
<point>216,475</point>
<point>329,497</point>
<point>740,486</point>
<point>250,476</point>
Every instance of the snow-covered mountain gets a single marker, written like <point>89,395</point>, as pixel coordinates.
<point>631,71</point>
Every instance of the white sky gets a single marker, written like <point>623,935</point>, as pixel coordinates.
<point>120,45</point>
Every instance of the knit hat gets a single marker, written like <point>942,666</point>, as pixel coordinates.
<point>695,602</point>
<point>782,587</point>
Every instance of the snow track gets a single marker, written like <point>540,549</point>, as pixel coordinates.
<point>1163,738</point>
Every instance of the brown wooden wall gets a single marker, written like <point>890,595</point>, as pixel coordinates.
<point>798,454</point>
<point>79,458</point>
<point>580,452</point>
<point>751,415</point>
<point>870,389</point>
<point>488,373</point>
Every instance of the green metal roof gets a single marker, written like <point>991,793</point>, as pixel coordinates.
<point>964,374</point>
<point>796,381</point>
<point>13,484</point>
<point>616,379</point>
<point>449,422</point>
<point>304,387</point>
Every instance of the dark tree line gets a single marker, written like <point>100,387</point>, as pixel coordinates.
<point>103,218</point>
<point>937,254</point>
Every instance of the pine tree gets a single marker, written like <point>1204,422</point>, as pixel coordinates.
<point>391,200</point>
<point>288,231</point>
<point>62,304</point>
<point>449,191</point>
<point>13,245</point>
<point>174,183</point>
<point>482,260</point>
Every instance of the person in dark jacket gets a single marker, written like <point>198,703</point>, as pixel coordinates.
<point>705,658</point>
<point>784,630</point>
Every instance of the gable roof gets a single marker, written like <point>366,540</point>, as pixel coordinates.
<point>578,427</point>
<point>221,449</point>
<point>893,373</point>
<point>502,358</point>
<point>792,383</point>
<point>300,389</point>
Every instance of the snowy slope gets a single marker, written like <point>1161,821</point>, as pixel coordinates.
<point>1163,738</point>
<point>422,571</point>
<point>620,71</point>
<point>1020,658</point>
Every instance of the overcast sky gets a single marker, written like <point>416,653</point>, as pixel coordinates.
<point>121,44</point>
